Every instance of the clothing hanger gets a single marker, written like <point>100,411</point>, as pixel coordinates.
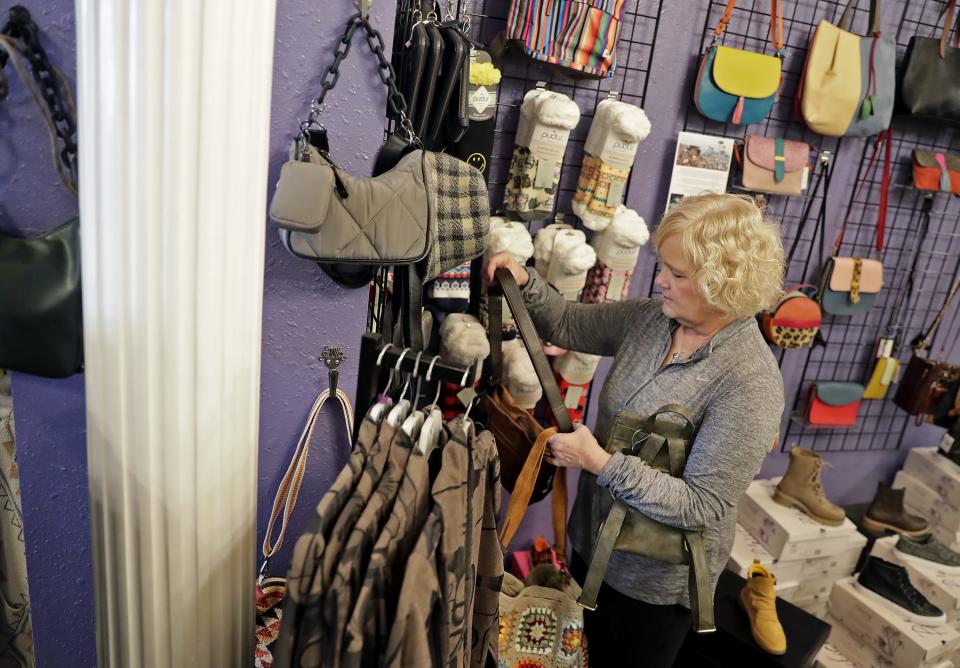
<point>430,431</point>
<point>412,425</point>
<point>400,411</point>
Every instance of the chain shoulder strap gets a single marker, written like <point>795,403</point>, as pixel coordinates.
<point>395,100</point>
<point>50,84</point>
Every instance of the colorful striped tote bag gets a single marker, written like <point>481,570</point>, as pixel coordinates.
<point>579,37</point>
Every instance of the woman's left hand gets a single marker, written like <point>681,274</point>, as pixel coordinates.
<point>577,450</point>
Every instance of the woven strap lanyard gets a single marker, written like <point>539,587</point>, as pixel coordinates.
<point>286,499</point>
<point>776,24</point>
<point>884,139</point>
<point>898,314</point>
<point>947,20</point>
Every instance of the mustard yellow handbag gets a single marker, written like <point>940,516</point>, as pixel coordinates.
<point>831,80</point>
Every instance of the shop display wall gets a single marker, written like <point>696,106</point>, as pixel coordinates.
<point>304,310</point>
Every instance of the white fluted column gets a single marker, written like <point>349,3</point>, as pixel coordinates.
<point>174,107</point>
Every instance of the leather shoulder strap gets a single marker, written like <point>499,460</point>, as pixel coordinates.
<point>947,20</point>
<point>286,498</point>
<point>509,289</point>
<point>847,17</point>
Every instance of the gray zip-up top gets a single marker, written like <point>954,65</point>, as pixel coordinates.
<point>732,384</point>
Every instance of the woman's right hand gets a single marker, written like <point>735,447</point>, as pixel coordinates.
<point>505,260</point>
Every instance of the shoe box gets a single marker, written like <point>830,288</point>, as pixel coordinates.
<point>816,606</point>
<point>787,533</point>
<point>848,650</point>
<point>926,502</point>
<point>941,588</point>
<point>888,633</point>
<point>746,548</point>
<point>935,471</point>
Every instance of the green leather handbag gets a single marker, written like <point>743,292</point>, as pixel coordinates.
<point>664,445</point>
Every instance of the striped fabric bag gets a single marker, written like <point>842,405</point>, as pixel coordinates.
<point>580,37</point>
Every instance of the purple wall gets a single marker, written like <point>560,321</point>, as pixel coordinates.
<point>303,310</point>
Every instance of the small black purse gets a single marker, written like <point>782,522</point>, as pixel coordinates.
<point>41,318</point>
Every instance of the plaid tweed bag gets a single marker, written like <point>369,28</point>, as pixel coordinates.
<point>462,217</point>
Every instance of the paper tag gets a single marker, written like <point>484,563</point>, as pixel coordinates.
<point>618,152</point>
<point>618,258</point>
<point>946,444</point>
<point>615,193</point>
<point>467,395</point>
<point>615,289</point>
<point>481,98</point>
<point>804,177</point>
<point>548,142</point>
<point>572,400</point>
<point>546,171</point>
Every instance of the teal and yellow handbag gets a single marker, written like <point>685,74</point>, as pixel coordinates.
<point>737,86</point>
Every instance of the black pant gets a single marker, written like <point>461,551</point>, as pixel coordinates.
<point>624,631</point>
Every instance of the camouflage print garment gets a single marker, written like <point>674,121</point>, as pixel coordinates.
<point>303,585</point>
<point>447,611</point>
<point>365,641</point>
<point>345,585</point>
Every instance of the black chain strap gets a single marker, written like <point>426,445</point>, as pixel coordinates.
<point>395,100</point>
<point>21,27</point>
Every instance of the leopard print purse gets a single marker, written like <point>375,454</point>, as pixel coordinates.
<point>794,322</point>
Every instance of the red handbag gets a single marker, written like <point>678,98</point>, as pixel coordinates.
<point>833,404</point>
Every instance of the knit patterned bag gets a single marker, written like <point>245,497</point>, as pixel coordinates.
<point>579,37</point>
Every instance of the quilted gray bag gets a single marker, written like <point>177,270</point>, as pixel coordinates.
<point>430,210</point>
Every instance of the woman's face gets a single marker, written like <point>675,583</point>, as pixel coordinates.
<point>681,301</point>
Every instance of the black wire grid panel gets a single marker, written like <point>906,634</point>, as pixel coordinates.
<point>638,35</point>
<point>848,355</point>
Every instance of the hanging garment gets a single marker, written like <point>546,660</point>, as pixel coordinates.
<point>447,610</point>
<point>365,640</point>
<point>16,631</point>
<point>344,588</point>
<point>305,583</point>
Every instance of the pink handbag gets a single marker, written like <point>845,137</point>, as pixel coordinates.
<point>774,165</point>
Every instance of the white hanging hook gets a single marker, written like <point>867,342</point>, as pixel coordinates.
<point>466,372</point>
<point>430,378</point>
<point>383,351</point>
<point>406,385</point>
<point>416,372</point>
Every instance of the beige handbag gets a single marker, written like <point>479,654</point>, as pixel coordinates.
<point>774,165</point>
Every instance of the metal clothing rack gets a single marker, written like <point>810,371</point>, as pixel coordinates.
<point>371,374</point>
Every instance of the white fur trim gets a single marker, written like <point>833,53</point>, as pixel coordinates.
<point>571,253</point>
<point>463,339</point>
<point>557,110</point>
<point>513,238</point>
<point>630,122</point>
<point>543,245</point>
<point>497,221</point>
<point>576,367</point>
<point>628,229</point>
<point>591,220</point>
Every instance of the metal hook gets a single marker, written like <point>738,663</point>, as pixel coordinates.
<point>416,368</point>
<point>383,351</point>
<point>463,381</point>
<point>332,356</point>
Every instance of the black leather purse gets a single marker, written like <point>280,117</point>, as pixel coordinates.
<point>931,75</point>
<point>41,320</point>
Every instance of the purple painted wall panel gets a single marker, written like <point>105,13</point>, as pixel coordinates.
<point>303,310</point>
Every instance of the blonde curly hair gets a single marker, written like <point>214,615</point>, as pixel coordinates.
<point>736,254</point>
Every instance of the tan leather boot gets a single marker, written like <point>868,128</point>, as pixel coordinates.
<point>886,513</point>
<point>800,488</point>
<point>759,600</point>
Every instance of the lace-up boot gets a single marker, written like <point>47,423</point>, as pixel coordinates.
<point>758,599</point>
<point>800,488</point>
<point>928,552</point>
<point>889,584</point>
<point>886,513</point>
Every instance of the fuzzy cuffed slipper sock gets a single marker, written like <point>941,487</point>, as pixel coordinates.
<point>543,246</point>
<point>609,153</point>
<point>618,248</point>
<point>519,376</point>
<point>546,119</point>
<point>514,238</point>
<point>463,341</point>
<point>572,258</point>
<point>574,372</point>
<point>450,291</point>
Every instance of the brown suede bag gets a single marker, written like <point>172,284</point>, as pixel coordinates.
<point>514,428</point>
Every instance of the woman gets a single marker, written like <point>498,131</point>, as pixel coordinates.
<point>698,346</point>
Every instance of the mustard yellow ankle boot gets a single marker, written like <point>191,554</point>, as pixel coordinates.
<point>759,600</point>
